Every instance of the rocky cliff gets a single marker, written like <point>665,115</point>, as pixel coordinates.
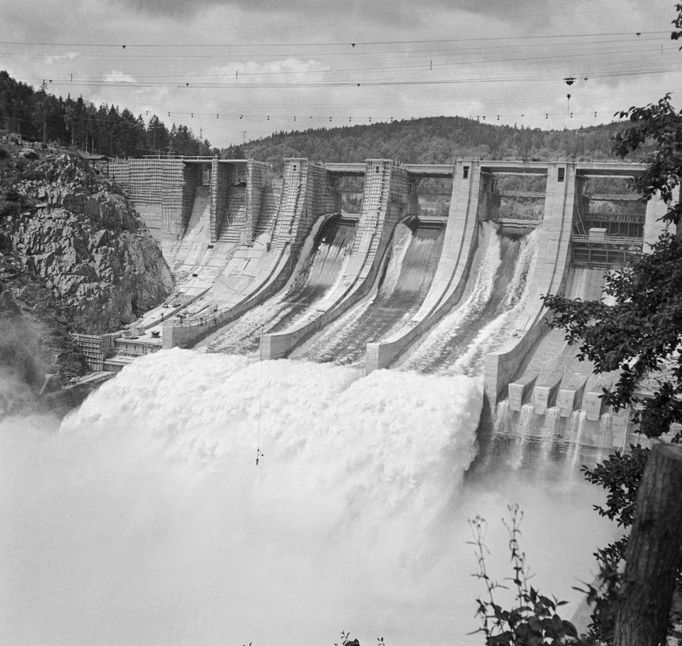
<point>74,257</point>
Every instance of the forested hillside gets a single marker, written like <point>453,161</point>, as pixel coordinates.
<point>108,130</point>
<point>431,140</point>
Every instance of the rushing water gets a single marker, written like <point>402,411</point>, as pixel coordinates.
<point>408,275</point>
<point>315,280</point>
<point>482,320</point>
<point>144,518</point>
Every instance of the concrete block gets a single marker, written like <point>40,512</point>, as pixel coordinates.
<point>379,355</point>
<point>621,428</point>
<point>275,346</point>
<point>594,406</point>
<point>570,395</point>
<point>545,392</point>
<point>520,390</point>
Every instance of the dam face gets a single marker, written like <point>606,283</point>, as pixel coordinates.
<point>430,268</point>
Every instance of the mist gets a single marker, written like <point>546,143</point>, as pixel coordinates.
<point>143,517</point>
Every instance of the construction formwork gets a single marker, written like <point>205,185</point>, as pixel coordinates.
<point>609,251</point>
<point>157,190</point>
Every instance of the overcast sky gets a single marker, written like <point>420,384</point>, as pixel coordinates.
<point>257,66</point>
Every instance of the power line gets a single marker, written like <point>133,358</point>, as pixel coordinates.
<point>420,66</point>
<point>359,43</point>
<point>357,84</point>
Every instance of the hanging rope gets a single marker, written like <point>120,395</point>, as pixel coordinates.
<point>259,453</point>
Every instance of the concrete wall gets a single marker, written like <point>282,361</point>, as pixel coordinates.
<point>258,174</point>
<point>384,204</point>
<point>653,227</point>
<point>548,278</point>
<point>191,179</point>
<point>452,272</point>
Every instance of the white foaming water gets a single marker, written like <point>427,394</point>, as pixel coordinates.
<point>577,430</point>
<point>144,519</point>
<point>550,421</point>
<point>479,295</point>
<point>495,333</point>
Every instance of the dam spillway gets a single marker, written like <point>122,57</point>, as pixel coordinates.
<point>462,296</point>
<point>496,287</point>
<point>407,275</point>
<point>308,285</point>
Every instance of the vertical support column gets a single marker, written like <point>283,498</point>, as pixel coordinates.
<point>192,178</point>
<point>214,198</point>
<point>582,205</point>
<point>559,212</point>
<point>488,198</point>
<point>256,179</point>
<point>653,226</point>
<point>413,195</point>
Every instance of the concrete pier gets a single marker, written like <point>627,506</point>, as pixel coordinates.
<point>571,395</point>
<point>521,390</point>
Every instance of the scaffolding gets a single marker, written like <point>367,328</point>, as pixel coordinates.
<point>604,251</point>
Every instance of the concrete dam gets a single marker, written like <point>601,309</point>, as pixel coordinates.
<point>429,268</point>
<point>205,496</point>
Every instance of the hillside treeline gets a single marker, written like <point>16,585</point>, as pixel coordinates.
<point>432,140</point>
<point>40,116</point>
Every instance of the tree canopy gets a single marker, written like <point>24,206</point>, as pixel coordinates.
<point>108,130</point>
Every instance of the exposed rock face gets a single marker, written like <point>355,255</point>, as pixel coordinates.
<point>74,257</point>
<point>34,338</point>
<point>80,236</point>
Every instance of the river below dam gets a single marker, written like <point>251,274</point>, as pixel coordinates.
<point>144,519</point>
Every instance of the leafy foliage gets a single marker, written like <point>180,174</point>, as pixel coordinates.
<point>639,336</point>
<point>534,618</point>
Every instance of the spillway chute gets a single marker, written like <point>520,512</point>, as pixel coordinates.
<point>382,208</point>
<point>399,289</point>
<point>315,275</point>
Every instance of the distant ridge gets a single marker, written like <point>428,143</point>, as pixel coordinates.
<point>431,140</point>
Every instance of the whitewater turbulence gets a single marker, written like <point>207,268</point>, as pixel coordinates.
<point>482,321</point>
<point>307,287</point>
<point>145,519</point>
<point>402,288</point>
